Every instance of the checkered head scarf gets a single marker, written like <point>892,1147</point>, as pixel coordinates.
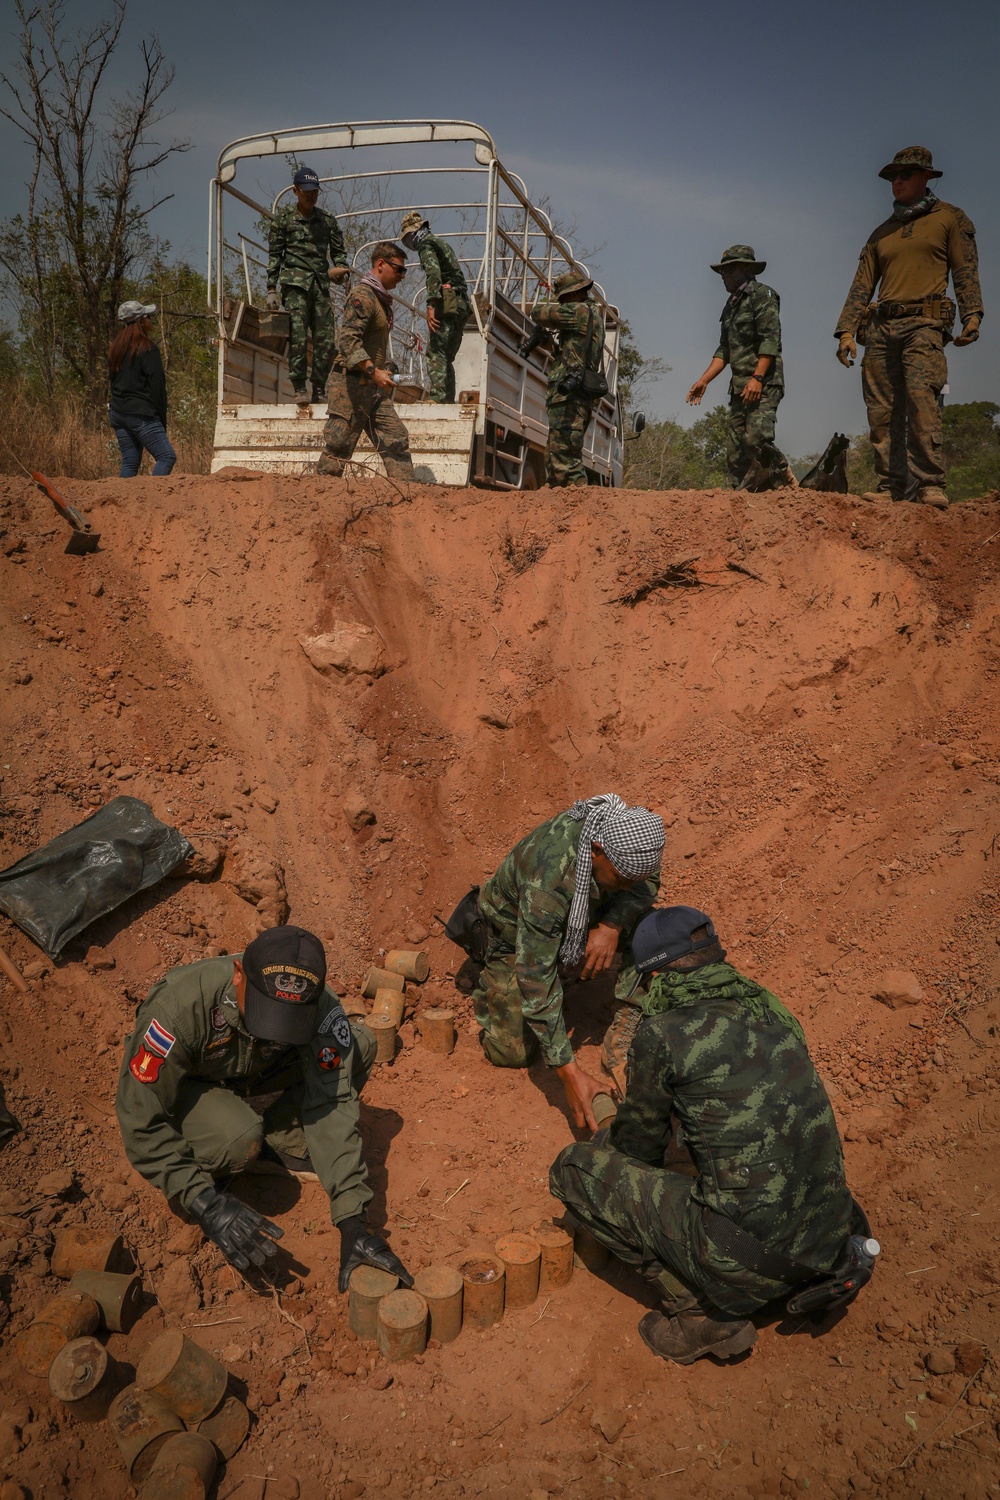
<point>631,837</point>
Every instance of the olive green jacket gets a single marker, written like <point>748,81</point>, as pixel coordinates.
<point>189,1030</point>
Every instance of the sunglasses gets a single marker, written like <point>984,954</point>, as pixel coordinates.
<point>904,174</point>
<point>398,267</point>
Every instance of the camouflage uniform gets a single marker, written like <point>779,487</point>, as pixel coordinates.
<point>569,415</point>
<point>904,367</point>
<point>751,327</point>
<point>448,294</point>
<point>726,1061</point>
<point>198,1095</point>
<point>354,403</point>
<point>297,261</point>
<point>519,999</point>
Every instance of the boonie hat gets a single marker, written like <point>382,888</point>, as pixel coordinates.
<point>910,156</point>
<point>572,281</point>
<point>305,177</point>
<point>131,312</point>
<point>665,935</point>
<point>411,222</point>
<point>286,971</point>
<point>740,255</point>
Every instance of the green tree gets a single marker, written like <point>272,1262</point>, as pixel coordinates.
<point>670,457</point>
<point>972,449</point>
<point>635,370</point>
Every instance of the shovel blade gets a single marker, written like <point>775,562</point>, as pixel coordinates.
<point>83,541</point>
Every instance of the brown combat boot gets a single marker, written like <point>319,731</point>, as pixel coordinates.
<point>327,464</point>
<point>688,1336</point>
<point>933,494</point>
<point>301,395</point>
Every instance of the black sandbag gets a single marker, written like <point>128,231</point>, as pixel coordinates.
<point>830,472</point>
<point>87,871</point>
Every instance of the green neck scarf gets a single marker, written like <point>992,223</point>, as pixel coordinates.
<point>916,210</point>
<point>673,988</point>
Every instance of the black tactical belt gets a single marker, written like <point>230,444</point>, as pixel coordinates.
<point>933,307</point>
<point>747,1250</point>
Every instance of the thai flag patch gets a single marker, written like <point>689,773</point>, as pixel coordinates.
<point>152,1054</point>
<point>158,1039</point>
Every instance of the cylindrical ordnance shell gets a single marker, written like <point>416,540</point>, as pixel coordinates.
<point>68,1316</point>
<point>412,965</point>
<point>119,1297</point>
<point>557,1255</point>
<point>89,1250</point>
<point>592,1254</point>
<point>441,1289</point>
<point>384,1032</point>
<point>365,1290</point>
<point>437,1029</point>
<point>402,1325</point>
<point>522,1258</point>
<point>189,1450</point>
<point>190,1380</point>
<point>482,1291</point>
<point>179,1482</point>
<point>381,979</point>
<point>140,1424</point>
<point>389,1003</point>
<point>604,1108</point>
<point>85,1378</point>
<point>227,1426</point>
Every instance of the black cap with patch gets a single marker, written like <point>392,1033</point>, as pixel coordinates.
<point>286,970</point>
<point>665,934</point>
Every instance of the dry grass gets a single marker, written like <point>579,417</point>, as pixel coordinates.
<point>64,440</point>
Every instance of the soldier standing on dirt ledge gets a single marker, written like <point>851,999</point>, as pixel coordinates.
<point>578,321</point>
<point>750,344</point>
<point>564,895</point>
<point>722,1177</point>
<point>359,391</point>
<point>908,257</point>
<point>249,1063</point>
<point>299,241</point>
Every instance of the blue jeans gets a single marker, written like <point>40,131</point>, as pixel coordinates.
<point>136,433</point>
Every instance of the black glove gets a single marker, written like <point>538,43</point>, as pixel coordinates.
<point>359,1247</point>
<point>241,1233</point>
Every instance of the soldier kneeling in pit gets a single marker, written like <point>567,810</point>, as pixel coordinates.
<point>722,1176</point>
<point>249,1063</point>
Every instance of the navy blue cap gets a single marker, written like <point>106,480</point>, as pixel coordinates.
<point>665,935</point>
<point>305,177</point>
<point>285,969</point>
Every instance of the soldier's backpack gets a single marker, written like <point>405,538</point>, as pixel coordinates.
<point>830,471</point>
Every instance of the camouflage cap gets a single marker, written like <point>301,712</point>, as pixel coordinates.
<point>412,221</point>
<point>911,156</point>
<point>740,255</point>
<point>572,281</point>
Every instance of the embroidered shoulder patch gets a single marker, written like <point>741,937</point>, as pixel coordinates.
<point>328,1059</point>
<point>338,1026</point>
<point>153,1052</point>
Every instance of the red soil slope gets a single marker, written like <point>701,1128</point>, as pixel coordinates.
<point>808,695</point>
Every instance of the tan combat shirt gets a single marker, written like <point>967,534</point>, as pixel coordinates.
<point>909,260</point>
<point>364,330</point>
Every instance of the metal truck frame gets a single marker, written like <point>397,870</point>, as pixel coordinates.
<point>495,433</point>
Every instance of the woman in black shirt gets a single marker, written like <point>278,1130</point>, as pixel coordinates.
<point>138,406</point>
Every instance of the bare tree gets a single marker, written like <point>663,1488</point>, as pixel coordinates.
<point>70,255</point>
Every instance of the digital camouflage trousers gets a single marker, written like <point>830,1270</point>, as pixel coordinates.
<point>310,312</point>
<point>355,406</point>
<point>902,373</point>
<point>750,439</point>
<point>442,348</point>
<point>569,417</point>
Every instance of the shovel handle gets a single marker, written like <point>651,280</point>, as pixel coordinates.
<point>13,973</point>
<point>68,512</point>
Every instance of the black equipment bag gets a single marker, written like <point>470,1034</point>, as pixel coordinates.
<point>467,926</point>
<point>82,874</point>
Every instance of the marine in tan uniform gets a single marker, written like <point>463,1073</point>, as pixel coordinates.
<point>241,1062</point>
<point>359,391</point>
<point>908,259</point>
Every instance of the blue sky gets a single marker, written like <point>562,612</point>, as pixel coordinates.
<point>666,132</point>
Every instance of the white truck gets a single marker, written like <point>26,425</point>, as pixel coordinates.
<point>372,173</point>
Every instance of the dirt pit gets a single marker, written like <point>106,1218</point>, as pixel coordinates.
<point>804,686</point>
